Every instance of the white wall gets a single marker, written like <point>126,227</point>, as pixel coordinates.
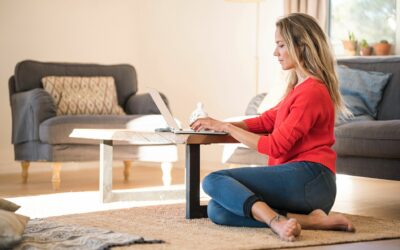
<point>197,50</point>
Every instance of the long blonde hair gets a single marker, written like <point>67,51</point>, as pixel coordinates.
<point>308,47</point>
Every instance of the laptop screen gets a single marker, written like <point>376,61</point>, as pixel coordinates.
<point>163,109</point>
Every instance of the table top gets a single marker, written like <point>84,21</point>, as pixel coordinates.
<point>149,138</point>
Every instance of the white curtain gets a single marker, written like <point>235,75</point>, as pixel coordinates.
<point>315,8</point>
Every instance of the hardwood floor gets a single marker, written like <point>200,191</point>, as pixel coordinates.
<point>85,180</point>
<point>356,195</point>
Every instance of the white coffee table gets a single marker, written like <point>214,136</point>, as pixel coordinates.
<point>192,183</point>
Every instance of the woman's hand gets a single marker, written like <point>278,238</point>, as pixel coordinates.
<point>209,123</point>
<point>237,130</point>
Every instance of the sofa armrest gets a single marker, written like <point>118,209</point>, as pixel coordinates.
<point>28,110</point>
<point>143,104</point>
<point>254,104</point>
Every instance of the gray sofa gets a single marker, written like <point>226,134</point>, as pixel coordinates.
<point>38,134</point>
<point>369,148</point>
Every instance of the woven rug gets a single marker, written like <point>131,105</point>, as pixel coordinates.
<point>167,223</point>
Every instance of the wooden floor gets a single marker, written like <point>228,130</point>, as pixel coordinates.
<point>85,180</point>
<point>356,195</point>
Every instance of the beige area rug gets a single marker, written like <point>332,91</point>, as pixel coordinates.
<point>167,222</point>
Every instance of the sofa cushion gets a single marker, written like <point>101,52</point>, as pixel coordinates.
<point>369,139</point>
<point>12,227</point>
<point>362,90</point>
<point>56,130</point>
<point>74,95</point>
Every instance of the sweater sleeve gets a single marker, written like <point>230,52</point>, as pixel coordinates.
<point>263,123</point>
<point>303,113</point>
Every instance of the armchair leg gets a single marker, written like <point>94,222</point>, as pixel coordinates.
<point>56,180</point>
<point>166,168</point>
<point>127,170</point>
<point>24,173</point>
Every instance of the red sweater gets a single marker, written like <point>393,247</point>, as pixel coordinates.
<point>299,128</point>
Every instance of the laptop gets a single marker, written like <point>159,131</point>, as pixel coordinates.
<point>172,124</point>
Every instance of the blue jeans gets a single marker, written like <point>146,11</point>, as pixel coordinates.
<point>297,187</point>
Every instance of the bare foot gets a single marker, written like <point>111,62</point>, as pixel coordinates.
<point>287,229</point>
<point>330,222</point>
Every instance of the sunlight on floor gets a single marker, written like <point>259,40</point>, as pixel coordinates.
<point>40,206</point>
<point>344,183</point>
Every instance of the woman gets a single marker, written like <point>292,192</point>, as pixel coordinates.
<point>299,189</point>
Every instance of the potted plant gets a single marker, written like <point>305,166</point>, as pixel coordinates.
<point>350,45</point>
<point>382,48</point>
<point>365,49</point>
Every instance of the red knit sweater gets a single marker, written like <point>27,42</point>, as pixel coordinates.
<point>299,128</point>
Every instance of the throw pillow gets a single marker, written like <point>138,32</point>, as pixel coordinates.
<point>274,96</point>
<point>12,227</point>
<point>362,90</point>
<point>74,95</point>
<point>8,205</point>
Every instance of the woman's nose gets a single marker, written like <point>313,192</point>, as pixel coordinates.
<point>276,52</point>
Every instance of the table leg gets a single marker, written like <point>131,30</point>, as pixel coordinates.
<point>105,183</point>
<point>106,159</point>
<point>193,207</point>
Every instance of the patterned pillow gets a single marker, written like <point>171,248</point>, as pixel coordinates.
<point>75,95</point>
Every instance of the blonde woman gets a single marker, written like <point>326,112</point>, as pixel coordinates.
<point>298,187</point>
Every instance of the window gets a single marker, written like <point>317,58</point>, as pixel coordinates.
<point>372,20</point>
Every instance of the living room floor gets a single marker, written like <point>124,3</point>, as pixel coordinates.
<point>356,195</point>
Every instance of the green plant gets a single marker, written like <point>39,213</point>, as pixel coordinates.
<point>384,41</point>
<point>364,44</point>
<point>352,37</point>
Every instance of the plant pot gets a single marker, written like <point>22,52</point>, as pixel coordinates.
<point>350,47</point>
<point>366,51</point>
<point>382,49</point>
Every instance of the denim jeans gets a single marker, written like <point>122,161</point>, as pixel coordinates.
<point>296,187</point>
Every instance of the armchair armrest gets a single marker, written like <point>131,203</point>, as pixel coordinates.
<point>28,110</point>
<point>143,104</point>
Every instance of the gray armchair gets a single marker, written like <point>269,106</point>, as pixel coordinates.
<point>38,134</point>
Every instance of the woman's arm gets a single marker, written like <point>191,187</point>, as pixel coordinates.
<point>243,135</point>
<point>241,125</point>
<point>237,130</point>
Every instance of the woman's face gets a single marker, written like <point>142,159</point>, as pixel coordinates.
<point>282,53</point>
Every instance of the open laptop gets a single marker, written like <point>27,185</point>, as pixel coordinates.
<point>172,124</point>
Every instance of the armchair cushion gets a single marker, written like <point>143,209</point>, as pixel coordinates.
<point>74,95</point>
<point>56,130</point>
